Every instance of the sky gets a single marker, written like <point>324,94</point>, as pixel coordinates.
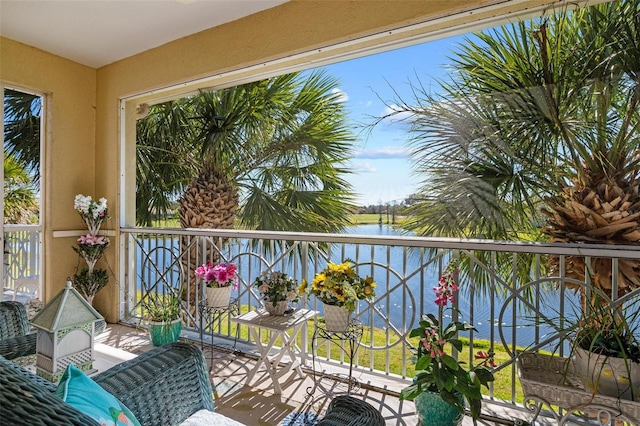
<point>382,171</point>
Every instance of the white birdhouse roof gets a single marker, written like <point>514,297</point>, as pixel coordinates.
<point>67,309</point>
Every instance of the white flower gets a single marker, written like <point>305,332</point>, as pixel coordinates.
<point>100,207</point>
<point>89,208</point>
<point>82,204</point>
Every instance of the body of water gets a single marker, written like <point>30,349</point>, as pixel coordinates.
<point>483,310</point>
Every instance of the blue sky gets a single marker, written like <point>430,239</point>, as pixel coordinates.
<point>382,170</point>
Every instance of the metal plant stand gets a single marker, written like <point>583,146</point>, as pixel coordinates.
<point>210,317</point>
<point>348,342</point>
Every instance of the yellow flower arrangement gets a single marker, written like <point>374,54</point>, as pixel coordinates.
<point>339,285</point>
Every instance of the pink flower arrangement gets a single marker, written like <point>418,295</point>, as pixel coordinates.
<point>445,291</point>
<point>89,280</point>
<point>218,275</point>
<point>91,248</point>
<point>93,240</point>
<point>436,369</point>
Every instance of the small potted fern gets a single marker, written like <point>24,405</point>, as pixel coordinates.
<point>163,315</point>
<point>606,348</point>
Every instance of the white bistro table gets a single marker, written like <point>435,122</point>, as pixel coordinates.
<point>285,327</point>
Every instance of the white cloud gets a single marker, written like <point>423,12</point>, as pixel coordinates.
<point>342,96</point>
<point>363,167</point>
<point>384,152</point>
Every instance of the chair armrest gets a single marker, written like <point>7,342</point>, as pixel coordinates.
<point>15,347</point>
<point>14,320</point>
<point>26,399</point>
<point>349,411</point>
<point>163,386</point>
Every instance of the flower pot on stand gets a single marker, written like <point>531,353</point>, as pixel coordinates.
<point>606,375</point>
<point>336,318</point>
<point>276,285</point>
<point>278,308</point>
<point>164,332</point>
<point>218,297</point>
<point>434,411</point>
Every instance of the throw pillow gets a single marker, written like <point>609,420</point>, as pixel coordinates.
<point>85,395</point>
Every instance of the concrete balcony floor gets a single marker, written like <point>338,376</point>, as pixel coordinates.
<point>256,403</point>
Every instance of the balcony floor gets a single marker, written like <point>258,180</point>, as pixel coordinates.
<point>256,403</point>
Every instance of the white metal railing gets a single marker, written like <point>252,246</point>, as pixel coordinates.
<point>22,253</point>
<point>509,311</point>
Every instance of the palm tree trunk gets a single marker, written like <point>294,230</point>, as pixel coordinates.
<point>210,202</point>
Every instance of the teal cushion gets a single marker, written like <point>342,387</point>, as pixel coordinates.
<point>85,395</point>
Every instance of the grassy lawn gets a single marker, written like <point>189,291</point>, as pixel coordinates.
<point>168,223</point>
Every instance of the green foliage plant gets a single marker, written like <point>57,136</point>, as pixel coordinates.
<point>609,330</point>
<point>276,286</point>
<point>436,369</point>
<point>162,308</point>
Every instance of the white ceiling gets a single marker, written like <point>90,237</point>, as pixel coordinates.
<point>99,32</point>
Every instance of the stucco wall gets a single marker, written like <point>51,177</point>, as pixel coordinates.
<point>69,160</point>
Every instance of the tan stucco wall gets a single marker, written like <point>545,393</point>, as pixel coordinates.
<point>293,28</point>
<point>69,159</point>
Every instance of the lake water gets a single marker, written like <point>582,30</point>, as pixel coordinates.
<point>485,313</point>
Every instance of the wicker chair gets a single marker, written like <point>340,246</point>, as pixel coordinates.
<point>16,338</point>
<point>347,410</point>
<point>161,387</point>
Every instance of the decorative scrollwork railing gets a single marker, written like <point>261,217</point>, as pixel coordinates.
<point>505,290</point>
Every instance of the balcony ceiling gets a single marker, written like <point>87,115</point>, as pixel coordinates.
<point>98,32</point>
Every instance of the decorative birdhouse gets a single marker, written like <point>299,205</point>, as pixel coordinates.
<point>66,328</point>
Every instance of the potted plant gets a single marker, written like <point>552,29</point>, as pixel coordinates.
<point>163,314</point>
<point>606,350</point>
<point>219,280</point>
<point>442,384</point>
<point>339,287</point>
<point>277,290</point>
<point>91,247</point>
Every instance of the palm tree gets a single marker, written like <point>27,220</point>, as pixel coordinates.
<point>20,202</point>
<point>22,129</point>
<point>21,156</point>
<point>536,134</point>
<point>265,155</point>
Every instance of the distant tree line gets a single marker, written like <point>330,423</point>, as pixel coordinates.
<point>397,206</point>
